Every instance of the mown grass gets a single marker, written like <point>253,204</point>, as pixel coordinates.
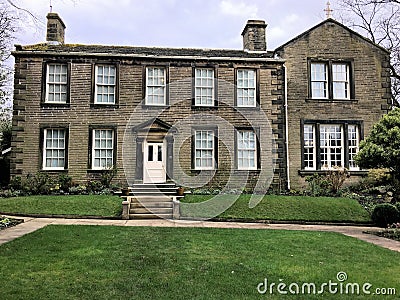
<point>272,207</point>
<point>105,262</point>
<point>78,205</point>
<point>286,208</point>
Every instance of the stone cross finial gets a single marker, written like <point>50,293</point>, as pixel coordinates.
<point>328,10</point>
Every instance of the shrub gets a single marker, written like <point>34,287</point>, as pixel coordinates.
<point>381,147</point>
<point>385,214</point>
<point>378,177</point>
<point>107,176</point>
<point>65,182</point>
<point>16,183</point>
<point>38,184</point>
<point>318,185</point>
<point>94,186</point>
<point>336,177</point>
<point>78,190</point>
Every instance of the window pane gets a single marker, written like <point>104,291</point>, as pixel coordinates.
<point>246,149</point>
<point>204,149</point>
<point>353,138</point>
<point>309,149</point>
<point>318,72</point>
<point>319,80</point>
<point>56,85</point>
<point>103,143</point>
<point>319,89</point>
<point>159,153</point>
<point>105,84</point>
<point>331,141</point>
<point>340,73</point>
<point>150,153</point>
<point>155,86</point>
<point>54,148</point>
<point>246,89</point>
<point>204,87</point>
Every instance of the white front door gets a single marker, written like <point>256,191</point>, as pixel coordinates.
<point>153,163</point>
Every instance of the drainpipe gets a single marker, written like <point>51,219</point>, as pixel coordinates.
<point>286,130</point>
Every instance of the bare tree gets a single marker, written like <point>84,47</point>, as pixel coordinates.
<point>384,1</point>
<point>379,20</point>
<point>8,28</point>
<point>13,17</point>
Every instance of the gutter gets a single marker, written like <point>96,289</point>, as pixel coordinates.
<point>287,130</point>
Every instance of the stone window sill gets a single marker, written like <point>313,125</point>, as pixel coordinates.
<point>303,173</point>
<point>349,101</point>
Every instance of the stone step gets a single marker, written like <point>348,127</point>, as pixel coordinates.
<point>151,204</point>
<point>162,188</point>
<point>157,185</point>
<point>152,201</point>
<point>147,199</point>
<point>150,216</point>
<point>152,193</point>
<point>150,210</point>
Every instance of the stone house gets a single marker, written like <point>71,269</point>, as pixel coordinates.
<point>226,119</point>
<point>338,86</point>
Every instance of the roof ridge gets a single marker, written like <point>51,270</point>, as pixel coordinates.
<point>331,20</point>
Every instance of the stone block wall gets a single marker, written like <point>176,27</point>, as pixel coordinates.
<point>30,115</point>
<point>372,95</point>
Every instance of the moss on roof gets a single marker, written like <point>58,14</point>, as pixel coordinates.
<point>148,51</point>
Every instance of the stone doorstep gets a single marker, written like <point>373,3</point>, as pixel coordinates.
<point>150,207</point>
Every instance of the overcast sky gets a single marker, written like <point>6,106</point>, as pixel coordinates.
<point>173,23</point>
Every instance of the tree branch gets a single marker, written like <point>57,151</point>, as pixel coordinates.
<point>22,9</point>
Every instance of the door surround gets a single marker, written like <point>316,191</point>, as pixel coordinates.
<point>154,131</point>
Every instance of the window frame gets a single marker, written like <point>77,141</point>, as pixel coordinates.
<point>92,149</point>
<point>256,88</point>
<point>45,83</point>
<point>330,149</point>
<point>43,148</point>
<point>165,85</point>
<point>345,141</point>
<point>214,131</point>
<point>95,85</point>
<point>325,82</point>
<point>356,146</point>
<point>347,82</point>
<point>312,147</point>
<point>214,87</point>
<point>330,82</point>
<point>257,157</point>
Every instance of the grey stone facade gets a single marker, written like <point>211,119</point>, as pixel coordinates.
<point>174,124</point>
<point>370,96</point>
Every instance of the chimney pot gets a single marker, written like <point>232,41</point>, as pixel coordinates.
<point>55,28</point>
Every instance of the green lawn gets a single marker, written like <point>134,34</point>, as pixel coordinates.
<point>82,205</point>
<point>279,208</point>
<point>289,208</point>
<point>106,262</point>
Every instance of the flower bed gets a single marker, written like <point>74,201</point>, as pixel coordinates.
<point>8,222</point>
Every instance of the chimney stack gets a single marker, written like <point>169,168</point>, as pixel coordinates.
<point>55,29</point>
<point>254,38</point>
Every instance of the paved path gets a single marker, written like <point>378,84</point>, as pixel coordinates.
<point>33,224</point>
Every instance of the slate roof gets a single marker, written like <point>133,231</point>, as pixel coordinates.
<point>142,51</point>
